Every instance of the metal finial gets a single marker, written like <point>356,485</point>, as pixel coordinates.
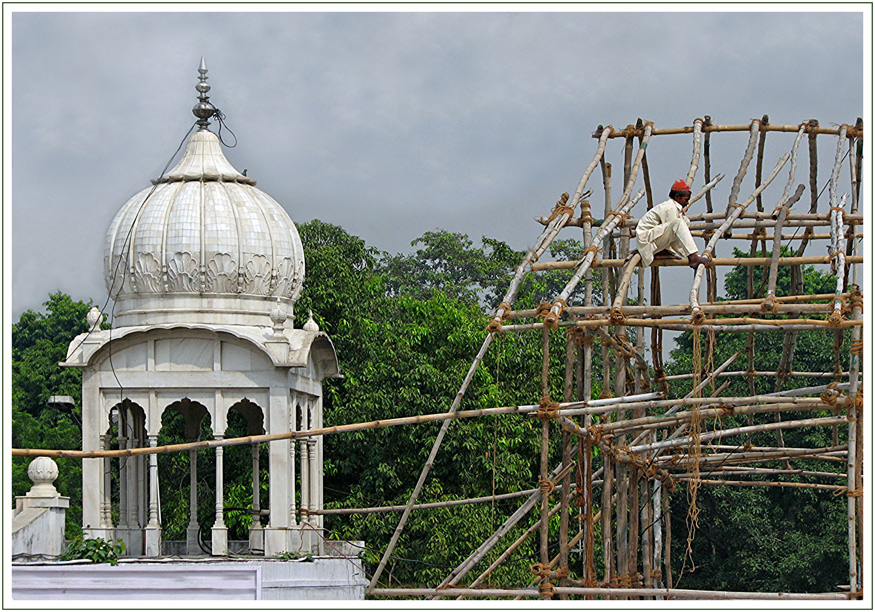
<point>203,110</point>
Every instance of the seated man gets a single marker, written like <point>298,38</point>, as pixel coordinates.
<point>664,230</point>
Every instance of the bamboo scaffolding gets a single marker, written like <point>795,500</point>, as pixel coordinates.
<point>734,431</point>
<point>602,592</point>
<point>747,219</point>
<point>811,127</point>
<point>731,215</point>
<point>717,261</point>
<point>459,572</point>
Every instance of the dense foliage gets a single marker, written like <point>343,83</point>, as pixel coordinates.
<point>406,328</point>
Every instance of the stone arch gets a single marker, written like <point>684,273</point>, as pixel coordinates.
<point>244,511</point>
<point>186,480</point>
<point>126,481</point>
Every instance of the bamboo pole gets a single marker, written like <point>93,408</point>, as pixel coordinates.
<point>425,470</point>
<point>854,473</point>
<point>811,127</point>
<point>747,219</point>
<point>431,505</point>
<point>545,449</point>
<point>762,483</point>
<point>601,592</point>
<point>717,261</point>
<point>783,209</point>
<point>459,572</point>
<point>732,215</point>
<point>724,433</point>
<point>558,222</point>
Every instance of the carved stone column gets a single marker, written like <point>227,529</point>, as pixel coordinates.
<point>192,534</point>
<point>153,527</point>
<point>220,531</point>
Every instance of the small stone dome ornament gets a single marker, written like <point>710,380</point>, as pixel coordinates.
<point>311,325</point>
<point>94,318</point>
<point>43,471</point>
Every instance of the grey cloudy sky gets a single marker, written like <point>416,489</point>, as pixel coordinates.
<point>388,123</point>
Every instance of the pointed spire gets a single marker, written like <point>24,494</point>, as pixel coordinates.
<point>203,110</point>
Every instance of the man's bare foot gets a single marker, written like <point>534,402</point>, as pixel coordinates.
<point>696,260</point>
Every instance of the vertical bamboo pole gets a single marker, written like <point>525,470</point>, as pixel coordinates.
<point>545,447</point>
<point>707,155</point>
<point>646,534</point>
<point>853,429</point>
<point>607,540</point>
<point>666,517</point>
<point>566,460</point>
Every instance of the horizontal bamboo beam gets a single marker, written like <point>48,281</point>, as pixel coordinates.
<point>717,261</point>
<point>810,128</point>
<point>429,505</point>
<point>763,483</point>
<point>758,373</point>
<point>323,431</point>
<point>736,325</point>
<point>684,309</point>
<point>600,592</point>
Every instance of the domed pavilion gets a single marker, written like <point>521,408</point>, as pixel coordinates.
<point>204,270</point>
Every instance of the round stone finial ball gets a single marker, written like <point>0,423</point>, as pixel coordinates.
<point>94,317</point>
<point>42,471</point>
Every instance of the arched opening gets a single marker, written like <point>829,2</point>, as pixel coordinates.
<point>186,479</point>
<point>125,502</point>
<point>246,476</point>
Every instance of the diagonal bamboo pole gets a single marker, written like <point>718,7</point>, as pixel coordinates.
<point>736,209</point>
<point>548,235</point>
<point>459,572</point>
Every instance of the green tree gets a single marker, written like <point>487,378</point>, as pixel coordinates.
<point>39,343</point>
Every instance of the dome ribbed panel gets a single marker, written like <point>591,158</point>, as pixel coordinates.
<point>182,252</point>
<point>290,260</point>
<point>205,241</point>
<point>221,241</point>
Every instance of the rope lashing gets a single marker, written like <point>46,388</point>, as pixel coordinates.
<point>848,492</point>
<point>831,395</point>
<point>856,299</point>
<point>857,347</point>
<point>546,590</point>
<point>547,409</point>
<point>622,217</point>
<point>657,573</point>
<point>561,208</point>
<point>769,304</point>
<point>495,326</point>
<point>551,319</point>
<point>585,214</point>
<point>594,249</point>
<point>778,209</point>
<point>659,379</point>
<point>543,309</point>
<point>617,317</point>
<point>546,486</point>
<point>624,349</point>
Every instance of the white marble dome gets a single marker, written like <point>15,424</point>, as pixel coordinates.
<point>202,244</point>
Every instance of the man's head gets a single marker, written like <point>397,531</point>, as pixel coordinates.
<point>680,192</point>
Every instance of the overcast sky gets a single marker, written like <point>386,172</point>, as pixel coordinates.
<point>389,124</point>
